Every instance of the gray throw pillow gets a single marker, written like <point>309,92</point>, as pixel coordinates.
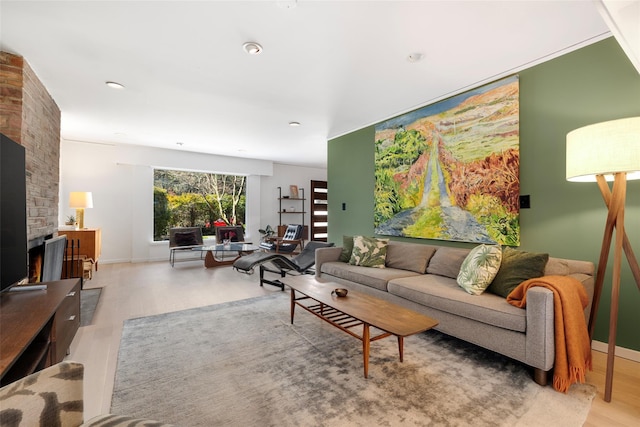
<point>516,267</point>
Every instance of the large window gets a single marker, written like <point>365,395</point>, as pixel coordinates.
<point>195,199</point>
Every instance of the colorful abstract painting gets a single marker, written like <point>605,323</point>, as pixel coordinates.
<point>450,170</point>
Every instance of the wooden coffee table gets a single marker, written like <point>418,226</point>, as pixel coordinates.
<point>355,310</point>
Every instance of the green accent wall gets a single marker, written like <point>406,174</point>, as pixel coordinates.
<point>566,219</point>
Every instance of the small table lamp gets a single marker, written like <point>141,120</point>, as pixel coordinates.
<point>80,200</point>
<point>608,151</point>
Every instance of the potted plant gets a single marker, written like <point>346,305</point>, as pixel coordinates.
<point>266,233</point>
<point>71,220</point>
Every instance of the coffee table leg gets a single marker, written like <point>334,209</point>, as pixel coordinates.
<point>366,343</point>
<point>401,348</point>
<point>209,260</point>
<point>293,304</point>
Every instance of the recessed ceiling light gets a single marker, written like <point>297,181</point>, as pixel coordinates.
<point>415,57</point>
<point>252,48</point>
<point>294,124</point>
<point>115,85</point>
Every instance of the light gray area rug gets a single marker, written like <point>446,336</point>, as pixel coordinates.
<point>88,302</point>
<point>244,364</point>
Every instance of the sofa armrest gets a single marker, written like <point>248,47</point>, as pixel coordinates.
<point>52,396</point>
<point>326,255</point>
<point>540,345</point>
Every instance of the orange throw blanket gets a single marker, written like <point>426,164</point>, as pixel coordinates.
<point>573,346</point>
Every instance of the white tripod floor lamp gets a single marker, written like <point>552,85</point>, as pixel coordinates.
<point>608,151</point>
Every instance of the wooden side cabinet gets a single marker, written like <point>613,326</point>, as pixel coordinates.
<point>37,328</point>
<point>90,242</point>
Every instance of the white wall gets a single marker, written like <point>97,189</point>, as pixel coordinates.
<point>121,180</point>
<point>284,176</point>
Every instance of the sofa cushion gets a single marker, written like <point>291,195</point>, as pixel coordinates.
<point>479,268</point>
<point>373,277</point>
<point>557,267</point>
<point>447,261</point>
<point>443,293</point>
<point>517,266</point>
<point>409,256</point>
<point>347,248</point>
<point>369,251</point>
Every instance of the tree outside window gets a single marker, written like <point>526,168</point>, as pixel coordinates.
<point>195,199</point>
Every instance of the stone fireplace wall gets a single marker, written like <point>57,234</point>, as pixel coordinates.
<point>30,116</point>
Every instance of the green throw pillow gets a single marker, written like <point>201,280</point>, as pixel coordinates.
<point>479,268</point>
<point>347,248</point>
<point>517,266</point>
<point>369,251</point>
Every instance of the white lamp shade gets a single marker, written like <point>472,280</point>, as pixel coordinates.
<point>80,199</point>
<point>604,149</point>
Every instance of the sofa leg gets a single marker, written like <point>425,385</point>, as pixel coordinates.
<point>540,376</point>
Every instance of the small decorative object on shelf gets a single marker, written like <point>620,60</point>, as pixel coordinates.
<point>293,189</point>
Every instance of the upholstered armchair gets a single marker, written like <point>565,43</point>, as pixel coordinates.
<point>53,397</point>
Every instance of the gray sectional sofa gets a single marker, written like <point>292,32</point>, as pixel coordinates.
<point>423,278</point>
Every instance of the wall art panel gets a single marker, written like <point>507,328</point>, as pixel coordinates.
<point>450,170</point>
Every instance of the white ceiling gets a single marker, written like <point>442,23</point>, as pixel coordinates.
<point>333,66</point>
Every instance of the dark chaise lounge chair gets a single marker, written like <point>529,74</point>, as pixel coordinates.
<point>280,264</point>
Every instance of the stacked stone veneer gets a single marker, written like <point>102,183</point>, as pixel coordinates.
<point>30,116</point>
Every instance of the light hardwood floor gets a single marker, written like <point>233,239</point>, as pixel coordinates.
<point>143,289</point>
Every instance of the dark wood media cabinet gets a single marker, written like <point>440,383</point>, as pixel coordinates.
<point>37,327</point>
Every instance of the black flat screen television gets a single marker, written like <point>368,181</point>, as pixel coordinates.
<point>13,214</point>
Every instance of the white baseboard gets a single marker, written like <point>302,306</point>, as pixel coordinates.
<point>623,352</point>
<point>114,261</point>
